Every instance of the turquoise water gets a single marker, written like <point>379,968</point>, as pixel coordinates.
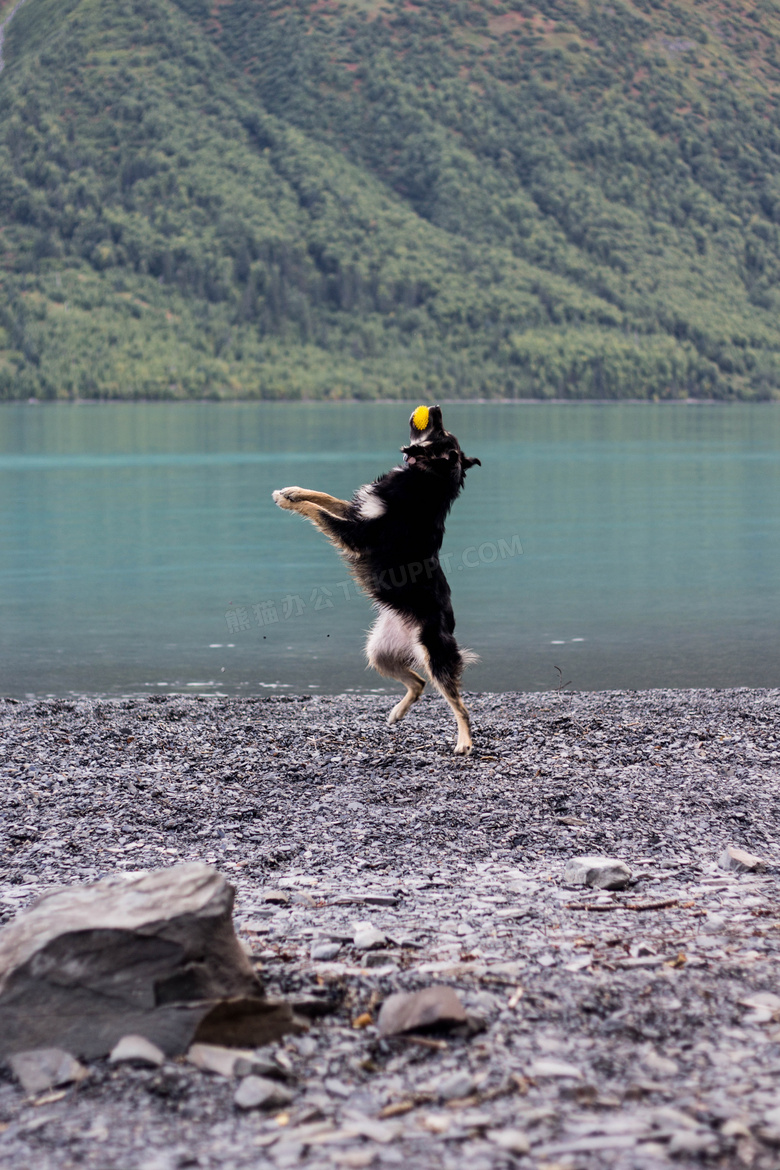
<point>135,540</point>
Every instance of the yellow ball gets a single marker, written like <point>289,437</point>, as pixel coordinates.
<point>420,418</point>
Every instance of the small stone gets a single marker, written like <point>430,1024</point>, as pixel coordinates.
<point>513,1140</point>
<point>262,1066</point>
<point>736,1128</point>
<point>43,1068</point>
<point>223,1061</point>
<point>301,899</point>
<point>772,1117</point>
<point>454,1086</point>
<point>663,1065</point>
<point>436,1008</point>
<point>337,1087</point>
<point>136,1050</point>
<point>367,937</point>
<point>259,1093</point>
<point>601,873</point>
<point>667,1118</point>
<point>325,952</point>
<point>553,1068</point>
<point>739,860</point>
<point>378,959</point>
<point>687,1141</point>
<point>275,896</point>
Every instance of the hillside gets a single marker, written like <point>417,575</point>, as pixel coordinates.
<point>308,199</point>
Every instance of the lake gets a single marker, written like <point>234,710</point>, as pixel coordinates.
<point>601,545</point>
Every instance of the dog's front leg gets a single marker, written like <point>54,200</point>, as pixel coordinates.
<point>336,527</point>
<point>291,497</point>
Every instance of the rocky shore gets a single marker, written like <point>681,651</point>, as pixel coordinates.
<point>628,1028</point>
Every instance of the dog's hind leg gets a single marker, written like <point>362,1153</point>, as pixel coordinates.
<point>445,663</point>
<point>393,645</point>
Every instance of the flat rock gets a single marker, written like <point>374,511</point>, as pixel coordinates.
<point>602,873</point>
<point>43,1068</point>
<point>740,861</point>
<point>150,955</point>
<point>258,1093</point>
<point>436,1008</point>
<point>136,1050</point>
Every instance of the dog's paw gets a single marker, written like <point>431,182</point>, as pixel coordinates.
<point>285,497</point>
<point>463,749</point>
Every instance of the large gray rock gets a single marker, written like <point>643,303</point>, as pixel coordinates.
<point>154,955</point>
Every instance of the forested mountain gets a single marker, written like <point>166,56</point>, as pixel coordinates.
<point>330,198</point>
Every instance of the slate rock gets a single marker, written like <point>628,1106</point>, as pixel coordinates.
<point>43,1068</point>
<point>436,1008</point>
<point>602,873</point>
<point>151,955</point>
<point>740,861</point>
<point>136,1050</point>
<point>258,1093</point>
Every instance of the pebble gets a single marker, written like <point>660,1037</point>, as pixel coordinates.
<point>687,1141</point>
<point>43,1068</point>
<point>602,873</point>
<point>259,1093</point>
<point>325,952</point>
<point>226,1062</point>
<point>454,1086</point>
<point>513,1140</point>
<point>133,1049</point>
<point>438,1007</point>
<point>553,1068</point>
<point>739,860</point>
<point>368,938</point>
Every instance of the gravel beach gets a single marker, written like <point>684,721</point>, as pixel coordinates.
<point>633,1028</point>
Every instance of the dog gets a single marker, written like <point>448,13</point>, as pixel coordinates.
<point>390,533</point>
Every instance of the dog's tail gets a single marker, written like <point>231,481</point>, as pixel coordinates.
<point>468,658</point>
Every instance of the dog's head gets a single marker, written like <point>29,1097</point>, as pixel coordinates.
<point>433,449</point>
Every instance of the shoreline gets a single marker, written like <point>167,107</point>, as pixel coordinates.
<point>255,401</point>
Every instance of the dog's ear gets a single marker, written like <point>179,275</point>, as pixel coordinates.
<point>466,463</point>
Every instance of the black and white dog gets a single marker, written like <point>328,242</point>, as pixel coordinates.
<point>390,533</point>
